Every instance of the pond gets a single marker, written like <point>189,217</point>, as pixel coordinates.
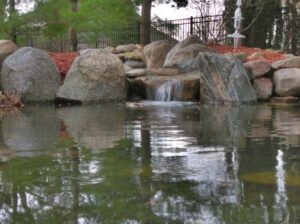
<point>150,163</point>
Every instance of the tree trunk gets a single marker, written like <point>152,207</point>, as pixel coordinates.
<point>145,31</point>
<point>12,14</point>
<point>72,31</point>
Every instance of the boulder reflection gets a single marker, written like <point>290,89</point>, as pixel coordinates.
<point>31,132</point>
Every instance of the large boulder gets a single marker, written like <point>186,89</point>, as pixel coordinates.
<point>287,82</point>
<point>263,87</point>
<point>156,53</point>
<point>185,50</point>
<point>7,47</point>
<point>184,87</point>
<point>96,75</point>
<point>223,78</point>
<point>292,62</point>
<point>30,73</point>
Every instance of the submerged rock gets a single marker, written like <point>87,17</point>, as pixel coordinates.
<point>95,75</point>
<point>270,178</point>
<point>285,100</point>
<point>30,73</point>
<point>223,78</point>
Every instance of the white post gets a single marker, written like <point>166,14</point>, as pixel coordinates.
<point>237,24</point>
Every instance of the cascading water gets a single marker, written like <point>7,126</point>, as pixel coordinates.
<point>168,91</point>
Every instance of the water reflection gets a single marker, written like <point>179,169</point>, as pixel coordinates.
<point>155,163</point>
<point>95,127</point>
<point>31,132</point>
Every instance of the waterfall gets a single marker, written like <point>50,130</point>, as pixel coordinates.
<point>168,91</point>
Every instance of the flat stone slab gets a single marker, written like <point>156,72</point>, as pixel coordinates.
<point>139,72</point>
<point>164,71</point>
<point>125,48</point>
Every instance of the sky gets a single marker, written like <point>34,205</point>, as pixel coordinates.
<point>165,11</point>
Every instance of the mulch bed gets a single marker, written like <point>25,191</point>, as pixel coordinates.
<point>65,60</point>
<point>266,55</point>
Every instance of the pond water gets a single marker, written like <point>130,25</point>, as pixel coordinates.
<point>150,163</point>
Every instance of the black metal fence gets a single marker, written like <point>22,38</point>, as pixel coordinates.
<point>208,28</point>
<point>280,30</point>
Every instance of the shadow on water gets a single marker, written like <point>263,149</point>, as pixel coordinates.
<point>150,163</point>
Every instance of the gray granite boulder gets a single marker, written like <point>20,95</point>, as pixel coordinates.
<point>287,82</point>
<point>30,73</point>
<point>95,76</point>
<point>185,50</point>
<point>223,78</point>
<point>156,53</point>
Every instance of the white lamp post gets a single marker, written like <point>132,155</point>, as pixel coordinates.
<point>237,24</point>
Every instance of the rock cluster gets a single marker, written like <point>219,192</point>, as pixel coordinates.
<point>276,80</point>
<point>188,71</point>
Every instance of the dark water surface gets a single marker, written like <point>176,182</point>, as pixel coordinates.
<point>150,163</point>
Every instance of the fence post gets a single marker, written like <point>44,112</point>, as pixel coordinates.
<point>139,32</point>
<point>191,25</point>
<point>61,44</point>
<point>96,34</point>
